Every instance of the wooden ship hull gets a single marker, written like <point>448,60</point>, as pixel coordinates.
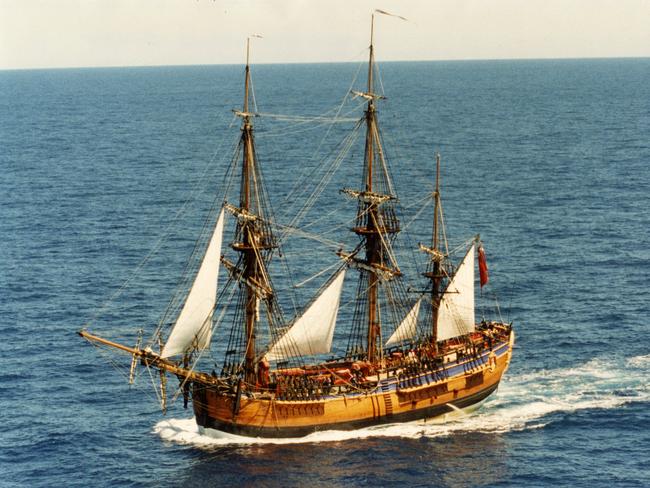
<point>457,384</point>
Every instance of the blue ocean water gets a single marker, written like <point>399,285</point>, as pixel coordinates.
<point>547,160</point>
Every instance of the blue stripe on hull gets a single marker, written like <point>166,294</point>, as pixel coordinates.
<point>451,369</point>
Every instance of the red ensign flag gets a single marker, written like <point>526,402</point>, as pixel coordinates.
<point>482,266</point>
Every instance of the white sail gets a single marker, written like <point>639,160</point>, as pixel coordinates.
<point>456,311</point>
<point>408,328</point>
<point>313,331</point>
<point>194,324</point>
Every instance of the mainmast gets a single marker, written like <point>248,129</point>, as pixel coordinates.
<point>373,237</point>
<point>376,221</point>
<point>251,265</point>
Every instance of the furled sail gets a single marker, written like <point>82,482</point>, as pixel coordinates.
<point>408,328</point>
<point>193,328</point>
<point>313,331</point>
<point>456,311</point>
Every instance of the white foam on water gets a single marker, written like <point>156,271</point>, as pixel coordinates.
<point>522,402</point>
<point>639,361</point>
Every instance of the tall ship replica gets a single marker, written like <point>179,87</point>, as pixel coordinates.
<point>410,355</point>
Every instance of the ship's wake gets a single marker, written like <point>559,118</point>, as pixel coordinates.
<point>526,401</point>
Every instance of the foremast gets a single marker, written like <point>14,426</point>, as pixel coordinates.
<point>254,240</point>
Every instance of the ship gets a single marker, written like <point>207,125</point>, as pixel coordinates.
<point>415,350</point>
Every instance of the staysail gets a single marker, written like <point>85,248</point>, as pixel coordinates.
<point>456,310</point>
<point>313,331</point>
<point>408,328</point>
<point>194,324</point>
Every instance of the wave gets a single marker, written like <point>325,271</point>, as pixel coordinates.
<point>526,401</point>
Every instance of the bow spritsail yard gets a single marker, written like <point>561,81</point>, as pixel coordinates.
<point>410,355</point>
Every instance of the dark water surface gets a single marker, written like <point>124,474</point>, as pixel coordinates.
<point>547,160</point>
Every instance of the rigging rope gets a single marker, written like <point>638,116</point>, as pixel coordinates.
<point>300,127</point>
<point>417,214</point>
<point>300,183</point>
<point>203,180</point>
<point>306,118</point>
<point>326,178</point>
<point>335,265</point>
